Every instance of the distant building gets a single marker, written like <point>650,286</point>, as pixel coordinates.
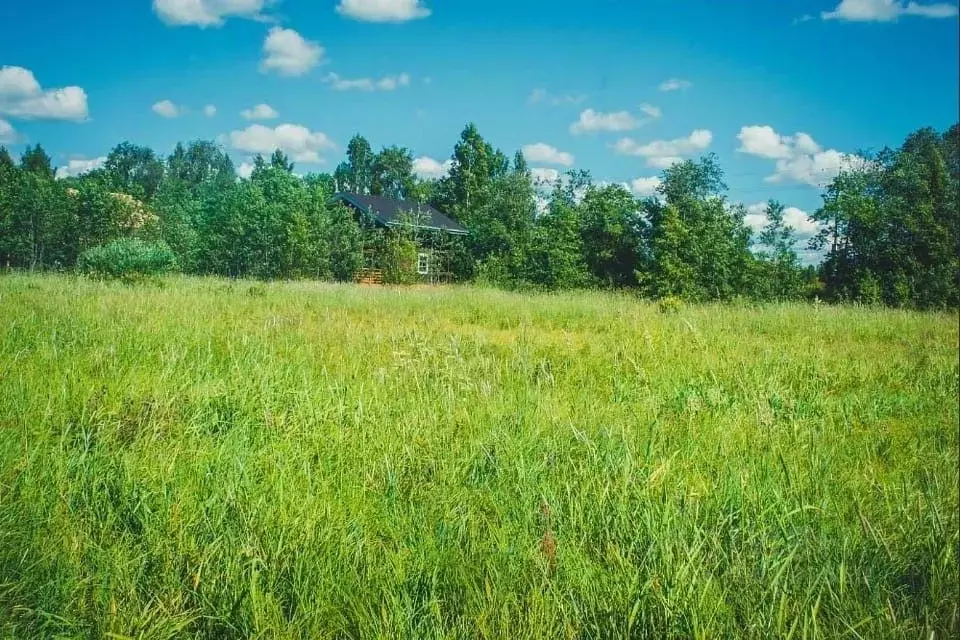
<point>432,229</point>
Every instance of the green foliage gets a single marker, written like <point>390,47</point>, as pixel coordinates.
<point>393,174</point>
<point>555,257</point>
<point>128,259</point>
<point>611,230</point>
<point>891,228</point>
<point>699,246</point>
<point>399,251</point>
<point>345,240</point>
<point>356,174</point>
<point>778,268</point>
<point>134,170</point>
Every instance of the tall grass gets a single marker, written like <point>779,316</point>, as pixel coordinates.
<point>227,460</point>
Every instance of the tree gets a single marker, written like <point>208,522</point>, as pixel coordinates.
<point>520,166</point>
<point>475,165</point>
<point>279,160</point>
<point>6,160</point>
<point>345,240</point>
<point>892,226</point>
<point>200,164</point>
<point>555,256</point>
<point>611,228</point>
<point>356,174</point>
<point>699,246</point>
<point>35,160</point>
<point>781,275</point>
<point>134,170</point>
<point>392,174</point>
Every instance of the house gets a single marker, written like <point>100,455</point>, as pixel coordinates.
<point>431,227</point>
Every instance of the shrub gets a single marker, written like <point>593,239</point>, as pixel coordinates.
<point>128,259</point>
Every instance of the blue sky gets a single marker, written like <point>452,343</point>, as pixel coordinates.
<point>749,76</point>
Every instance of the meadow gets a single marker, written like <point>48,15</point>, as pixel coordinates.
<point>229,459</point>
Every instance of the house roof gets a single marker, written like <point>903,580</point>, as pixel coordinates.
<point>387,212</point>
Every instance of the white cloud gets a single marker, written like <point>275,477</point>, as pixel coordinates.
<point>428,168</point>
<point>644,187</point>
<point>289,54</point>
<point>675,84</point>
<point>542,95</point>
<point>763,141</point>
<point>80,166</point>
<point>798,219</point>
<point>259,112</point>
<point>7,134</point>
<point>383,10</point>
<point>798,158</point>
<point>653,112</point>
<point>661,154</point>
<point>21,96</point>
<point>591,120</point>
<point>544,176</point>
<point>245,170</point>
<point>386,83</point>
<point>18,82</point>
<point>888,10</point>
<point>207,13</point>
<point>167,109</point>
<point>817,169</point>
<point>298,142</point>
<point>210,110</point>
<point>542,152</point>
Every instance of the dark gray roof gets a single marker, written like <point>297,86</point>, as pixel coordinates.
<point>386,211</point>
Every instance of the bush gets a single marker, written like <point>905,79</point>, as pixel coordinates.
<point>398,257</point>
<point>128,259</point>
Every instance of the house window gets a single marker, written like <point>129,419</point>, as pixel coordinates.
<point>423,264</point>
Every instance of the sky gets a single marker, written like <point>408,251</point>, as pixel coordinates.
<point>784,92</point>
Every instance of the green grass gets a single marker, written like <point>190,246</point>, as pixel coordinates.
<point>230,460</point>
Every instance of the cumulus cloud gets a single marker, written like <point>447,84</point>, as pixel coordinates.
<point>298,142</point>
<point>661,154</point>
<point>207,13</point>
<point>383,10</point>
<point>798,219</point>
<point>675,84</point>
<point>386,83</point>
<point>763,141</point>
<point>210,110</point>
<point>543,152</point>
<point>21,96</point>
<point>888,10</point>
<point>591,121</point>
<point>289,54</point>
<point>167,109</point>
<point>542,95</point>
<point>798,158</point>
<point>645,187</point>
<point>80,166</point>
<point>428,168</point>
<point>259,112</point>
<point>7,134</point>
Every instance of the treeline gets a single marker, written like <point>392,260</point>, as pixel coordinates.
<point>889,229</point>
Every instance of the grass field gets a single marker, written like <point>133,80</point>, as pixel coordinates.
<point>234,460</point>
